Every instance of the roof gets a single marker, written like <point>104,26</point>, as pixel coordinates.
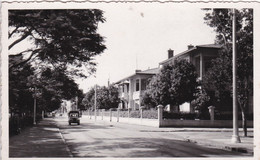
<point>152,71</point>
<point>213,46</point>
<point>149,71</point>
<point>217,46</point>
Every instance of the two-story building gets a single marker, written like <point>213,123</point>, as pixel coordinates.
<point>132,88</point>
<point>200,56</point>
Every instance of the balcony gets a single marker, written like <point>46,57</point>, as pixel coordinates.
<point>124,96</point>
<point>137,94</point>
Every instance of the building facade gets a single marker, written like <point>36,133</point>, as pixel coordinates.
<point>131,89</point>
<point>200,56</point>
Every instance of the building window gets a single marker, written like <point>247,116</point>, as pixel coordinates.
<point>137,85</point>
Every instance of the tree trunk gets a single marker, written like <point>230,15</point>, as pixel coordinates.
<point>244,122</point>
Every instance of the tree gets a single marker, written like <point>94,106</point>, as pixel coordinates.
<point>107,97</point>
<point>88,100</point>
<point>54,86</point>
<point>175,84</point>
<point>58,44</point>
<point>221,21</point>
<point>20,97</point>
<point>147,99</point>
<point>201,103</point>
<point>60,38</point>
<point>218,80</point>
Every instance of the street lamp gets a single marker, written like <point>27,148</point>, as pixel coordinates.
<point>34,90</point>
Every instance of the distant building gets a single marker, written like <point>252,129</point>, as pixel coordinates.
<point>132,88</point>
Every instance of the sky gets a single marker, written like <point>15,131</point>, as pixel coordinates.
<point>139,37</point>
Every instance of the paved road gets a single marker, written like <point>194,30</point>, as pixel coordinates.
<point>105,139</point>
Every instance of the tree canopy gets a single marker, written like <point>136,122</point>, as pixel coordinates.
<point>48,50</point>
<point>219,77</point>
<point>106,97</point>
<point>175,84</point>
<point>61,38</point>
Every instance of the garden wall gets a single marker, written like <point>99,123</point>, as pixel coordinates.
<point>201,123</point>
<point>155,119</point>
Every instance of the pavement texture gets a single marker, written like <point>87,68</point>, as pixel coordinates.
<point>219,138</point>
<point>42,140</point>
<point>212,137</point>
<point>46,140</point>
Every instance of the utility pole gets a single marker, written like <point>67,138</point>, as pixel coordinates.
<point>235,136</point>
<point>76,103</point>
<point>34,111</point>
<point>34,107</point>
<point>95,105</point>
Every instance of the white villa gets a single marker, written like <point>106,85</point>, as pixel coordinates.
<point>132,87</point>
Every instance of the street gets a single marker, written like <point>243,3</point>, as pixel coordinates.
<point>106,139</point>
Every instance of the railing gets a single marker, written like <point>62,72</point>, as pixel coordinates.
<point>158,118</point>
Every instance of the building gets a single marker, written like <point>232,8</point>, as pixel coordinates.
<point>200,56</point>
<point>132,88</point>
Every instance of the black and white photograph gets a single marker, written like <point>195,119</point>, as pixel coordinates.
<point>153,80</point>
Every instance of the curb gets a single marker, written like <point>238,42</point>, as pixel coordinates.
<point>225,147</point>
<point>67,148</point>
<point>63,140</point>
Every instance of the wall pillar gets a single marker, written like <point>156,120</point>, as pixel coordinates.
<point>128,113</point>
<point>160,114</point>
<point>42,114</point>
<point>141,112</point>
<point>211,112</point>
<point>103,110</point>
<point>118,114</point>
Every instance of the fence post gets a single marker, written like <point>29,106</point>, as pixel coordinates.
<point>211,112</point>
<point>103,110</point>
<point>110,114</point>
<point>160,114</point>
<point>42,114</point>
<point>118,114</point>
<point>128,113</point>
<point>141,112</point>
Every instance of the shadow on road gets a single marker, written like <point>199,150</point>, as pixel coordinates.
<point>145,147</point>
<point>43,140</point>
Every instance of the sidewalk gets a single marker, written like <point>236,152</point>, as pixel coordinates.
<point>218,138</point>
<point>212,137</point>
<point>42,140</point>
